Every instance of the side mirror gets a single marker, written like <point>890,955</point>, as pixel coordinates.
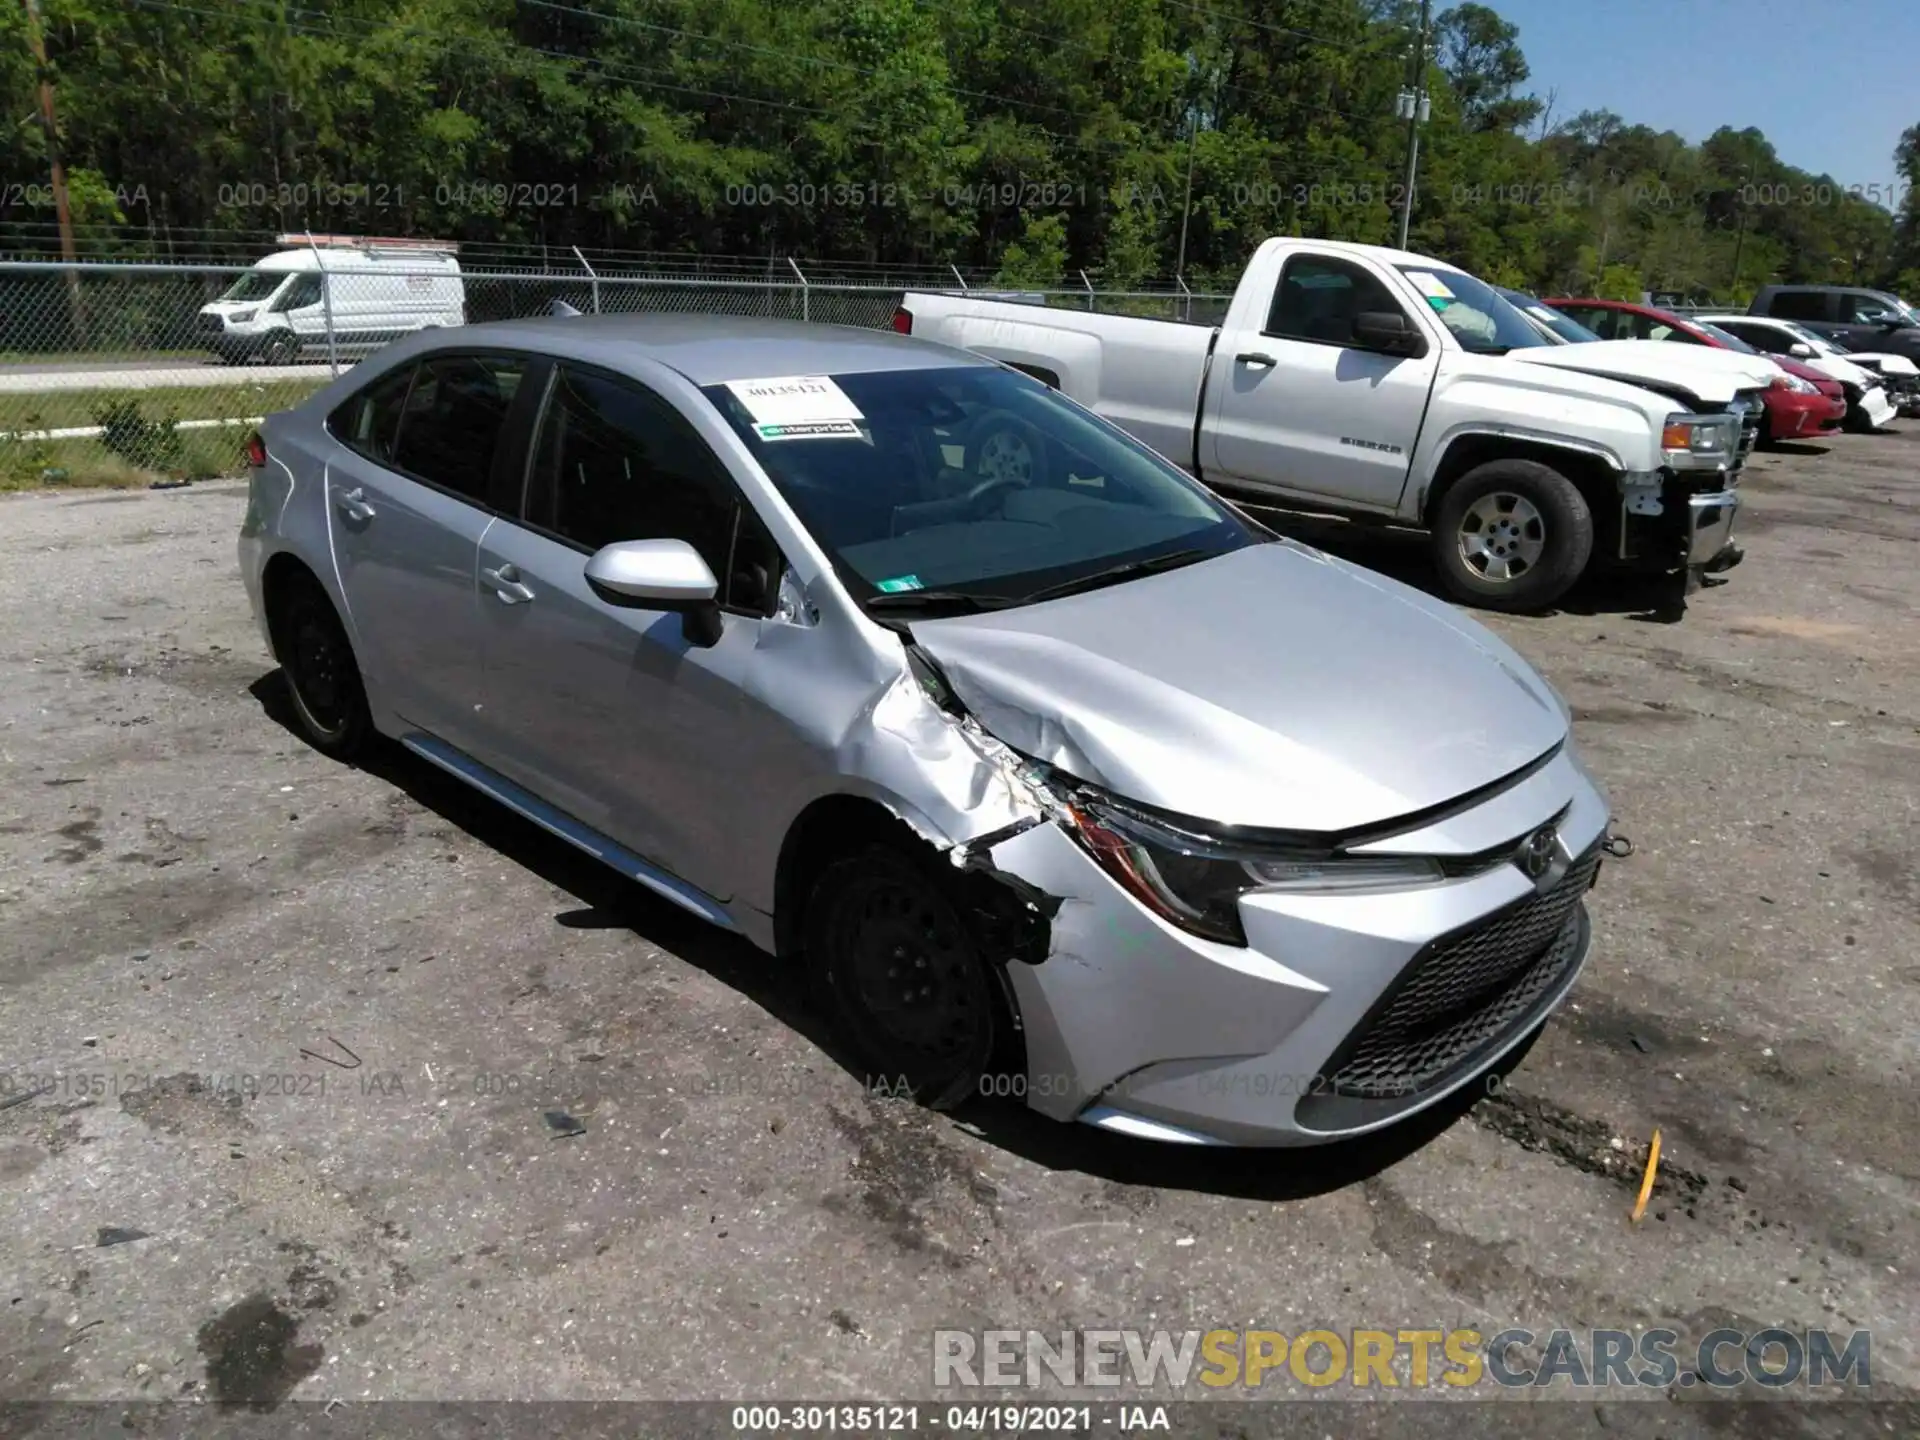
<point>1800,350</point>
<point>1388,331</point>
<point>659,575</point>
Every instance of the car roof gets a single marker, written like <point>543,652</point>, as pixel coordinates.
<point>1632,307</point>
<point>712,349</point>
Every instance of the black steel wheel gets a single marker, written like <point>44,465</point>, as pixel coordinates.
<point>323,677</point>
<point>899,969</point>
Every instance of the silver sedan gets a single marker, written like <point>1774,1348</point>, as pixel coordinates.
<point>1060,778</point>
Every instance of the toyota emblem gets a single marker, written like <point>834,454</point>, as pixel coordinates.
<point>1536,855</point>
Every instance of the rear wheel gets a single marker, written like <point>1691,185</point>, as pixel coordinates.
<point>323,677</point>
<point>896,964</point>
<point>1512,535</point>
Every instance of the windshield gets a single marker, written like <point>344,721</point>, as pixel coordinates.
<point>1565,326</point>
<point>1474,311</point>
<point>976,482</point>
<point>1725,337</point>
<point>255,285</point>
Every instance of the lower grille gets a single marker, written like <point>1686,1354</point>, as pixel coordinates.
<point>1463,992</point>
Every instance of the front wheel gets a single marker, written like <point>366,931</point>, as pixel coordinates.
<point>282,349</point>
<point>1512,535</point>
<point>900,970</point>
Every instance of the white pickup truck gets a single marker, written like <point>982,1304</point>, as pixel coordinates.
<point>1387,386</point>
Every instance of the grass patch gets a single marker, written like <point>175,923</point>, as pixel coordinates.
<point>71,409</point>
<point>141,438</point>
<point>87,464</point>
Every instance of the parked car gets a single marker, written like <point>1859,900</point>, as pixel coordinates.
<point>338,294</point>
<point>1787,341</point>
<point>1082,786</point>
<point>1393,387</point>
<point>1799,402</point>
<point>1851,316</point>
<point>1868,407</point>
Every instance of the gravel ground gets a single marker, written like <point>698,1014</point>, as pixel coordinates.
<point>518,1131</point>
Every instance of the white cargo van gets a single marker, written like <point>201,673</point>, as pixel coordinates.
<point>367,291</point>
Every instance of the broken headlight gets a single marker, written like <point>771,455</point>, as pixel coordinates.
<point>1196,881</point>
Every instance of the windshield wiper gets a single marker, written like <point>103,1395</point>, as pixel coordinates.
<point>1113,574</point>
<point>905,600</point>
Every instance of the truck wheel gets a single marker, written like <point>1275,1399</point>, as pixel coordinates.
<point>1003,448</point>
<point>1512,535</point>
<point>282,349</point>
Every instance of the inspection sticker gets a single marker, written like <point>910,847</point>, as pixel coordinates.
<point>897,584</point>
<point>1430,285</point>
<point>797,407</point>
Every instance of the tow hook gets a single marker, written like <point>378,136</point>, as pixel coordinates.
<point>1618,846</point>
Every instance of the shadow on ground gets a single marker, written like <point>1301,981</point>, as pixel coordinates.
<point>608,900</point>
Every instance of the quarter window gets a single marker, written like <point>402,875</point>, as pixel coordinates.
<point>1317,299</point>
<point>453,420</point>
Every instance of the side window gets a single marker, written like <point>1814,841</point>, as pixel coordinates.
<point>304,291</point>
<point>615,462</point>
<point>1764,338</point>
<point>1799,305</point>
<point>1317,298</point>
<point>454,416</point>
<point>370,421</point>
<point>1864,309</point>
<point>1596,319</point>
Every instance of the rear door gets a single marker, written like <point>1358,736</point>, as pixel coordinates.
<point>409,496</point>
<point>1299,405</point>
<point>608,712</point>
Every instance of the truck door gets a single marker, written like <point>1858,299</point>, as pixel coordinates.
<point>1299,405</point>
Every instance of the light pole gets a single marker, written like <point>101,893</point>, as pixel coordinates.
<point>1415,106</point>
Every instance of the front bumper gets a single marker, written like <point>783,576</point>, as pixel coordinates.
<point>1875,406</point>
<point>1710,524</point>
<point>1344,1013</point>
<point>1790,416</point>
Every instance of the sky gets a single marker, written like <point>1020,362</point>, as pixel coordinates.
<point>1831,85</point>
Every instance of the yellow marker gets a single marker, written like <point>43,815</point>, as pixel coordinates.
<point>1646,1185</point>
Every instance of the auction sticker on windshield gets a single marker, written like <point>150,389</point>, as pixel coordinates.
<point>797,407</point>
<point>1433,287</point>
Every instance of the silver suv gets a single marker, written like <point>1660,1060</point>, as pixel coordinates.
<point>1060,778</point>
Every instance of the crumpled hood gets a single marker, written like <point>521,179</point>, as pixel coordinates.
<point>1273,687</point>
<point>1712,376</point>
<point>1883,363</point>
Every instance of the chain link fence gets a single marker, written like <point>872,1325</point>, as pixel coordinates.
<point>138,373</point>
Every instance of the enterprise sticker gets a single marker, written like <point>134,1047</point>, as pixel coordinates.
<point>797,407</point>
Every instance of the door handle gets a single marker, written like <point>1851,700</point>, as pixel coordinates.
<point>353,505</point>
<point>506,585</point>
<point>1255,357</point>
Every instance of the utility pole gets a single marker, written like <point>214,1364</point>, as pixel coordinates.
<point>36,41</point>
<point>1415,106</point>
<point>1740,235</point>
<point>1186,206</point>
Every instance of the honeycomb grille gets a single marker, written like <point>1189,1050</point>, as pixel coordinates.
<point>1465,991</point>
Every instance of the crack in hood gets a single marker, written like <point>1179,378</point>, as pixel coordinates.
<point>1710,375</point>
<point>1274,687</point>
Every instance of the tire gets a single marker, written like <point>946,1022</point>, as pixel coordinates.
<point>1856,421</point>
<point>322,675</point>
<point>1002,448</point>
<point>1511,535</point>
<point>884,932</point>
<point>282,349</point>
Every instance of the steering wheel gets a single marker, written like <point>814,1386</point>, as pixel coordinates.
<point>973,500</point>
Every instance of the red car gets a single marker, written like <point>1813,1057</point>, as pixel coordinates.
<point>1816,406</point>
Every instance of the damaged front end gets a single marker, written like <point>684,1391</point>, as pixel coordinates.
<point>1203,988</point>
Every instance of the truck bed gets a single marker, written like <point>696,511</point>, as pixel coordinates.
<point>1143,374</point>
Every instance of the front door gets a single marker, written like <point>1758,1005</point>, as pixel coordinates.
<point>610,713</point>
<point>1298,405</point>
<point>408,495</point>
